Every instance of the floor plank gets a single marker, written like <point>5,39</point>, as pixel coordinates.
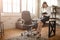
<point>44,33</point>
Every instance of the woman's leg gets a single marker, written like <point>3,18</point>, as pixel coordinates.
<point>40,24</point>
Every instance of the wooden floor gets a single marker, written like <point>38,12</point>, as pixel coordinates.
<point>16,32</point>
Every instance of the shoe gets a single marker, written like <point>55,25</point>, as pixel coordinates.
<point>36,33</point>
<point>38,36</point>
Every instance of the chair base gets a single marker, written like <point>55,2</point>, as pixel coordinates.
<point>28,33</point>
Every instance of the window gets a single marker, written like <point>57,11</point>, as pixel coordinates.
<point>31,6</point>
<point>7,6</point>
<point>24,5</point>
<point>11,5</point>
<point>34,6</point>
<point>16,6</point>
<point>19,5</point>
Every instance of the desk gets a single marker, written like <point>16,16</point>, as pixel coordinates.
<point>1,29</point>
<point>52,27</point>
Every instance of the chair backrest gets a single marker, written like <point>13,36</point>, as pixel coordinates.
<point>26,17</point>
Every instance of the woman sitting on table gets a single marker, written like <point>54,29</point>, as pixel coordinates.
<point>45,13</point>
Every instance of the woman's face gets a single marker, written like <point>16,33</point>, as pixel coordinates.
<point>45,5</point>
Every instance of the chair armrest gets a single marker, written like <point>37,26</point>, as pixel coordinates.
<point>34,21</point>
<point>21,21</point>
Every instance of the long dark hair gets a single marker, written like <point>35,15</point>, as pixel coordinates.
<point>44,3</point>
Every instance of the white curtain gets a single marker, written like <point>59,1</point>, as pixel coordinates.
<point>7,6</point>
<point>24,5</point>
<point>31,6</point>
<point>15,6</point>
<point>11,5</point>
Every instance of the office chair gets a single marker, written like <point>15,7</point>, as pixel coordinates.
<point>27,22</point>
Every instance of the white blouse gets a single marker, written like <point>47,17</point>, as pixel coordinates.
<point>48,10</point>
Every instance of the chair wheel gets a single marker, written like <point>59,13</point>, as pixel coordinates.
<point>21,34</point>
<point>28,35</point>
<point>34,34</point>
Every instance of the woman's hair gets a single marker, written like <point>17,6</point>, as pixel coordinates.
<point>44,3</point>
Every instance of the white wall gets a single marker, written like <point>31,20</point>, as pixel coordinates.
<point>9,20</point>
<point>58,1</point>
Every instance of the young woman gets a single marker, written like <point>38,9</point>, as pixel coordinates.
<point>44,14</point>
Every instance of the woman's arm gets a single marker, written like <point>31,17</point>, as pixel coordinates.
<point>40,13</point>
<point>49,11</point>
